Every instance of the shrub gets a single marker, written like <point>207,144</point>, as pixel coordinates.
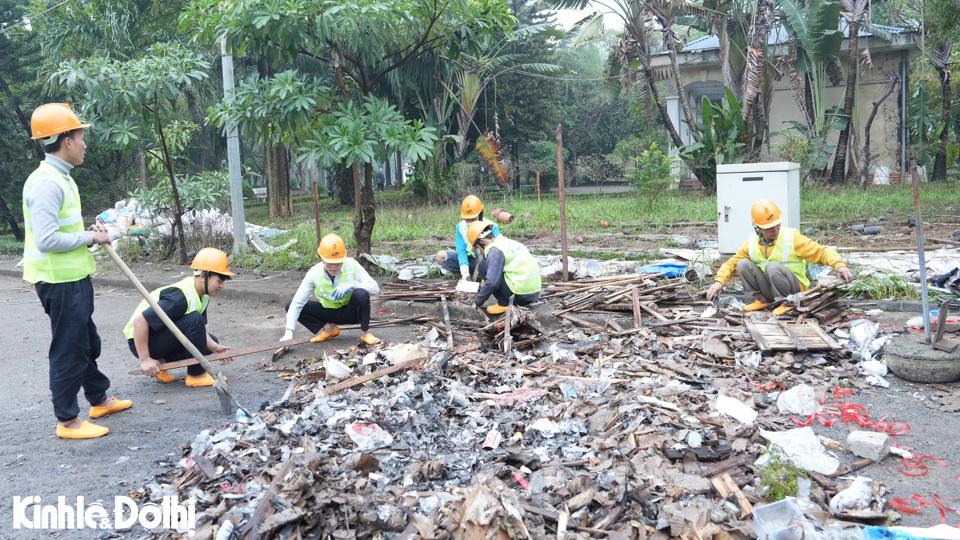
<point>653,173</point>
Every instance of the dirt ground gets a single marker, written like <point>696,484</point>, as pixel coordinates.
<point>145,440</point>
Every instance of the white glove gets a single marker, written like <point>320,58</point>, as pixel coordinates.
<point>287,336</point>
<point>342,290</point>
<point>465,272</point>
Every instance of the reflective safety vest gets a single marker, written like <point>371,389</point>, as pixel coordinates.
<point>520,269</point>
<point>323,287</point>
<point>56,267</point>
<point>782,253</point>
<point>462,229</point>
<point>194,301</point>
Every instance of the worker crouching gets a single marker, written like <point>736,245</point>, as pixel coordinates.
<point>508,270</point>
<point>343,289</point>
<point>772,263</point>
<point>185,302</point>
<point>463,260</point>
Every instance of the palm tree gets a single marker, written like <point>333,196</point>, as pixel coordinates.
<point>939,56</point>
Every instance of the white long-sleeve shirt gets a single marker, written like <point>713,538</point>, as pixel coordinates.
<point>361,280</point>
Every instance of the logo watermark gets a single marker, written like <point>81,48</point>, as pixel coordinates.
<point>30,513</point>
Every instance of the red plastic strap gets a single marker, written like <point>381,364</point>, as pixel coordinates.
<point>903,505</point>
<point>770,386</point>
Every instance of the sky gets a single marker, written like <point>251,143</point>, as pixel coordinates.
<point>566,18</point>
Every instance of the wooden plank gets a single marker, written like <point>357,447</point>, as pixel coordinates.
<point>797,341</point>
<point>637,319</point>
<point>581,322</point>
<point>756,334</point>
<point>832,343</point>
<point>941,321</point>
<point>446,320</point>
<point>370,376</point>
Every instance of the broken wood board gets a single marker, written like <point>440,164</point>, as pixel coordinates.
<point>781,336</point>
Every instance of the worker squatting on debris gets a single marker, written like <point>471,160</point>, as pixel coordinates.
<point>779,267</point>
<point>343,288</point>
<point>185,302</point>
<point>464,260</point>
<point>508,270</point>
<point>56,260</point>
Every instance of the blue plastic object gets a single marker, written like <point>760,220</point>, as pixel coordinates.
<point>672,270</point>
<point>883,533</point>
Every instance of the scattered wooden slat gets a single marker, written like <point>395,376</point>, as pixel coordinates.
<point>725,485</point>
<point>370,376</point>
<point>446,321</point>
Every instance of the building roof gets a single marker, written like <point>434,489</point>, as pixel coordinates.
<point>778,35</point>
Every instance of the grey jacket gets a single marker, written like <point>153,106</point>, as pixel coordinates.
<point>44,197</point>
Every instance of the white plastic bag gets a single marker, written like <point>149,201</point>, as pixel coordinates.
<point>732,407</point>
<point>864,341</point>
<point>803,448</point>
<point>800,400</point>
<point>855,497</point>
<point>369,437</point>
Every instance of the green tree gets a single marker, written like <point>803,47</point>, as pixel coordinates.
<point>366,44</point>
<point>19,59</point>
<point>136,100</point>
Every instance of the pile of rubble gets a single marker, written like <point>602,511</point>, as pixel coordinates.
<point>648,432</point>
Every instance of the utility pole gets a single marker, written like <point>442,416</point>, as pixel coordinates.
<point>233,158</point>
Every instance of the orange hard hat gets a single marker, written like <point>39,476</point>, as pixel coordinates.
<point>211,260</point>
<point>475,230</point>
<point>332,249</point>
<point>53,119</point>
<point>766,214</point>
<point>470,207</point>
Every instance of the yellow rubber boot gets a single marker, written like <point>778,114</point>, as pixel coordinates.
<point>165,377</point>
<point>496,310</point>
<point>203,380</point>
<point>323,336</point>
<point>85,431</point>
<point>780,310</point>
<point>755,306</point>
<point>118,405</point>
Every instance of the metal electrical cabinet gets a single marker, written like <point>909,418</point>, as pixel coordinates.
<point>740,185</point>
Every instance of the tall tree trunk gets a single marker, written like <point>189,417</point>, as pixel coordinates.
<point>399,171</point>
<point>940,162</point>
<point>277,172</point>
<point>11,220</point>
<point>670,40</point>
<point>22,118</point>
<point>142,167</point>
<point>838,174</point>
<point>366,215</point>
<point>387,171</point>
<point>177,207</point>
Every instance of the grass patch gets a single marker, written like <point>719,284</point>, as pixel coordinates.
<point>10,246</point>
<point>881,287</point>
<point>779,476</point>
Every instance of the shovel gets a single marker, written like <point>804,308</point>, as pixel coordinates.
<point>220,384</point>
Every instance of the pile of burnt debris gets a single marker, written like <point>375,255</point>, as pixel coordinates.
<point>687,425</point>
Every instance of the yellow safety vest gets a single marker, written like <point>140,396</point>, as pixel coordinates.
<point>520,269</point>
<point>56,267</point>
<point>782,253</point>
<point>194,301</point>
<point>323,286</point>
<point>462,229</point>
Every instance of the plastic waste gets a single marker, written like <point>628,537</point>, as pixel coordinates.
<point>918,320</point>
<point>800,400</point>
<point>748,358</point>
<point>545,426</point>
<point>671,270</point>
<point>941,531</point>
<point>593,269</point>
<point>864,341</point>
<point>336,369</point>
<point>782,520</point>
<point>736,409</point>
<point>803,448</point>
<point>855,497</point>
<point>368,437</point>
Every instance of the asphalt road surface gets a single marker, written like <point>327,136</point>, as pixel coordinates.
<point>33,461</point>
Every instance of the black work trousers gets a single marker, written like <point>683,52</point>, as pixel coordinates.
<point>314,316</point>
<point>74,347</point>
<point>165,347</point>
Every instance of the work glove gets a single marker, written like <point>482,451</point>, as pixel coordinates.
<point>465,272</point>
<point>342,290</point>
<point>287,336</point>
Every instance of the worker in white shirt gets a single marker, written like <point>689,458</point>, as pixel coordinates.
<point>343,289</point>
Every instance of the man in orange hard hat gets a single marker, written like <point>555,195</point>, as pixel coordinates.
<point>343,289</point>
<point>772,263</point>
<point>508,270</point>
<point>185,302</point>
<point>463,260</point>
<point>56,260</point>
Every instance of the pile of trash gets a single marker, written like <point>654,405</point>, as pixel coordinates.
<point>659,433</point>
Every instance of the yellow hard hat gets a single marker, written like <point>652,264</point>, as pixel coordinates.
<point>475,230</point>
<point>766,214</point>
<point>470,207</point>
<point>53,119</point>
<point>332,249</point>
<point>211,260</point>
